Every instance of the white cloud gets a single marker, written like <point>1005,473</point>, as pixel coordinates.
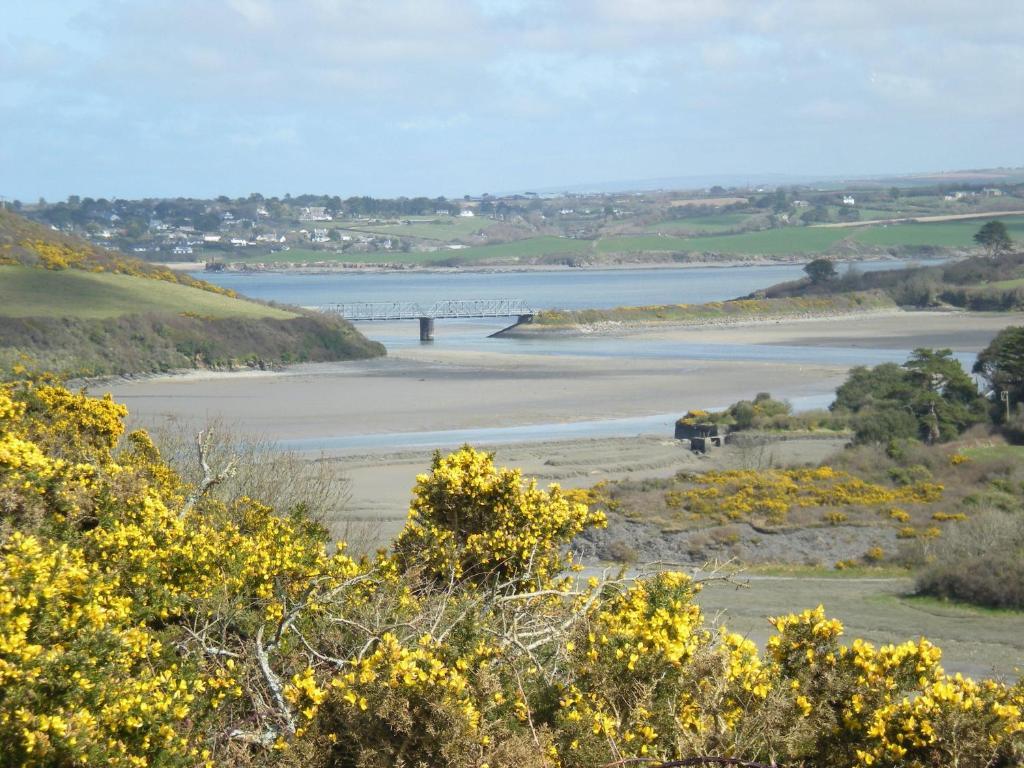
<point>244,75</point>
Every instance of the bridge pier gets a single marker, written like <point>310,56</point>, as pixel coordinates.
<point>426,329</point>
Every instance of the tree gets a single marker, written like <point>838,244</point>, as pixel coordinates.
<point>820,271</point>
<point>930,397</point>
<point>781,201</point>
<point>848,213</point>
<point>1001,364</point>
<point>817,214</point>
<point>994,238</point>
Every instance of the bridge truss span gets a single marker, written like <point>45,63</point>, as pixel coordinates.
<point>447,308</point>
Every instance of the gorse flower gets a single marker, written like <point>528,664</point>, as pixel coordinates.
<point>139,630</point>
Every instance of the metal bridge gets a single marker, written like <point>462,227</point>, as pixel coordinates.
<point>427,313</point>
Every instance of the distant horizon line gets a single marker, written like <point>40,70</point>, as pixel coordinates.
<point>685,183</point>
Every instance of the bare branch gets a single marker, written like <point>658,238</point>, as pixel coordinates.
<point>274,684</point>
<point>210,478</point>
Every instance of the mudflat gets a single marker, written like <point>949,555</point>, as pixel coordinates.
<point>450,390</point>
<point>433,388</point>
<point>959,331</point>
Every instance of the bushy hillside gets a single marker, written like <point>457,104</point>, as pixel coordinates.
<point>30,244</point>
<point>68,307</point>
<point>979,283</point>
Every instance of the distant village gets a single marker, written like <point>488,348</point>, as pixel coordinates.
<point>223,232</point>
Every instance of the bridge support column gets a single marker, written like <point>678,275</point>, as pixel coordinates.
<point>426,329</point>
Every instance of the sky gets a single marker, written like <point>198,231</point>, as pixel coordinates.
<point>167,98</point>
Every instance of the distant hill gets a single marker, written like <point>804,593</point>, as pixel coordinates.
<point>754,180</point>
<point>75,309</point>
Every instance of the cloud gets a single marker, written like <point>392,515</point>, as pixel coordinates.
<point>648,82</point>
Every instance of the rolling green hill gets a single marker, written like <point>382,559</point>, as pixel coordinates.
<point>76,310</point>
<point>34,292</point>
<point>708,237</point>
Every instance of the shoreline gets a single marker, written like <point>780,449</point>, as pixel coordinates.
<point>629,327</point>
<point>485,268</point>
<point>773,330</point>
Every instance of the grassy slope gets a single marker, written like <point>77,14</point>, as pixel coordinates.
<point>71,308</point>
<point>950,234</point>
<point>33,292</point>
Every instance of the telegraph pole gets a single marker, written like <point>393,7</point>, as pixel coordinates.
<point>1005,397</point>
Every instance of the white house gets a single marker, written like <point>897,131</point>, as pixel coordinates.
<point>315,213</point>
<point>849,200</point>
<point>467,214</point>
<point>211,238</point>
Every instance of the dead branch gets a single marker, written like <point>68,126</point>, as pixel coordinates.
<point>210,478</point>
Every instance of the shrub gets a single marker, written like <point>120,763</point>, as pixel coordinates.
<point>979,561</point>
<point>144,621</point>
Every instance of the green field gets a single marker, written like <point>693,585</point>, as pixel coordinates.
<point>869,214</point>
<point>769,241</point>
<point>32,292</point>
<point>950,234</point>
<point>444,229</point>
<point>995,452</point>
<point>531,248</point>
<point>1018,283</point>
<point>974,641</point>
<point>700,224</point>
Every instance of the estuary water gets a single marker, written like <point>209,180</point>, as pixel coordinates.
<point>566,289</point>
<point>554,289</point>
<point>563,289</point>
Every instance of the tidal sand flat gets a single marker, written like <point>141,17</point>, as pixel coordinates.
<point>460,390</point>
<point>365,414</point>
<point>959,331</point>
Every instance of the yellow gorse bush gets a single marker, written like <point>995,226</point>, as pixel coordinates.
<point>63,255</point>
<point>472,520</point>
<point>142,624</point>
<point>773,493</point>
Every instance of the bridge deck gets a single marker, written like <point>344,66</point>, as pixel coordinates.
<point>410,310</point>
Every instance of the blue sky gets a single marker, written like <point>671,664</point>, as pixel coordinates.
<point>132,98</point>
